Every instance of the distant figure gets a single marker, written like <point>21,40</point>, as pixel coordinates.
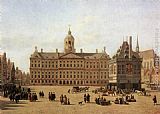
<point>30,97</point>
<point>68,102</point>
<point>88,98</point>
<point>42,94</point>
<point>49,96</point>
<point>69,91</point>
<point>61,99</point>
<point>65,100</point>
<point>85,98</point>
<point>154,100</point>
<point>132,96</point>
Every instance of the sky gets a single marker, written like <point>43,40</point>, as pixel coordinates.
<point>25,24</point>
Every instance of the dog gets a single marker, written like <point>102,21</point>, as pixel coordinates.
<point>80,102</point>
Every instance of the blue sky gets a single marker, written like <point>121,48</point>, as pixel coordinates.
<point>94,24</point>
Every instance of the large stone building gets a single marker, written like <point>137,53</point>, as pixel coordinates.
<point>125,67</point>
<point>69,67</point>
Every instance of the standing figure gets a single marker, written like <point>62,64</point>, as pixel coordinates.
<point>68,102</point>
<point>65,99</point>
<point>88,98</point>
<point>30,97</point>
<point>85,98</point>
<point>69,91</point>
<point>61,99</point>
<point>154,100</point>
<point>49,96</point>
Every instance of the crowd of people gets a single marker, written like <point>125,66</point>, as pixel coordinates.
<point>41,94</point>
<point>33,97</point>
<point>86,98</point>
<point>120,100</point>
<point>64,100</point>
<point>51,96</point>
<point>100,100</point>
<point>17,93</point>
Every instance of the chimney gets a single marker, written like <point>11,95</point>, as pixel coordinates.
<point>41,50</point>
<point>16,68</point>
<point>96,50</point>
<point>4,54</point>
<point>130,46</point>
<point>81,50</point>
<point>56,50</point>
<point>104,49</point>
<point>36,50</point>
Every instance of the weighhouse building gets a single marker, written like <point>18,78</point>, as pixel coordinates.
<point>125,67</point>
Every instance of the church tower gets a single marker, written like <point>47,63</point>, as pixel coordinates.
<point>69,43</point>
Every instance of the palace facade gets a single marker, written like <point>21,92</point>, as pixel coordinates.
<point>69,67</point>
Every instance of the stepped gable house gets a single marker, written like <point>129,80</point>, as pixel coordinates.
<point>125,67</point>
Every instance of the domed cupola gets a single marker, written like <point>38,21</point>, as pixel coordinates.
<point>69,43</point>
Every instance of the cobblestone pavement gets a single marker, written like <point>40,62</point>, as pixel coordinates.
<point>144,105</point>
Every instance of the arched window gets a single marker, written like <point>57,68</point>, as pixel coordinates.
<point>60,82</point>
<point>69,42</point>
<point>63,82</point>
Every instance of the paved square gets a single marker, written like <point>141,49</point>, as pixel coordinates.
<point>144,105</point>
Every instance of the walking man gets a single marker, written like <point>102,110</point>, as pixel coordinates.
<point>154,100</point>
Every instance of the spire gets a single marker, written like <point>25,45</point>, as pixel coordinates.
<point>69,31</point>
<point>137,47</point>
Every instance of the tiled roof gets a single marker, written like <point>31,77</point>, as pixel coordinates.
<point>48,55</point>
<point>147,54</point>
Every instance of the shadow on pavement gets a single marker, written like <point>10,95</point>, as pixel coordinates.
<point>10,105</point>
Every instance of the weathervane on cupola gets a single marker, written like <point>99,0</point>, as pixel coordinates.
<point>69,42</point>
